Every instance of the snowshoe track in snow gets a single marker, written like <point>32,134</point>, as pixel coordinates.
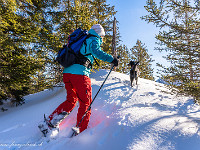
<point>123,118</point>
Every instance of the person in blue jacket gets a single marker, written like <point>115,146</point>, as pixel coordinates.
<point>77,81</point>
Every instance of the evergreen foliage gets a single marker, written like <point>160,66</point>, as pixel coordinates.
<point>17,31</point>
<point>124,60</point>
<point>179,21</point>
<point>140,53</point>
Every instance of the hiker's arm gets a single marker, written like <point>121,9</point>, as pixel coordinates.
<point>98,53</point>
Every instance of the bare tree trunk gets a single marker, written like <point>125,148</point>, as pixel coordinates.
<point>114,38</point>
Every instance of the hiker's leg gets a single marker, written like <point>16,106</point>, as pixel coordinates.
<point>131,77</point>
<point>130,80</point>
<point>135,74</point>
<point>136,77</point>
<point>84,93</point>
<point>71,99</point>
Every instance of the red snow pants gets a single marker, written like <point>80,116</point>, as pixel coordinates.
<point>78,88</point>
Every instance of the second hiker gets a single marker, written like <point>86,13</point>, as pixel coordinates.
<point>134,72</point>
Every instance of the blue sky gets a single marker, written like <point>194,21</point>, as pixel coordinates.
<point>132,27</point>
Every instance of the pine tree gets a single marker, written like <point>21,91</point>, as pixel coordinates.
<point>23,34</point>
<point>181,41</point>
<point>124,60</point>
<point>140,53</point>
<point>14,63</point>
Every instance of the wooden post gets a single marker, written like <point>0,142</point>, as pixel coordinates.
<point>114,38</point>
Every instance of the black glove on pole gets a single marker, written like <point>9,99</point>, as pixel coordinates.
<point>115,61</point>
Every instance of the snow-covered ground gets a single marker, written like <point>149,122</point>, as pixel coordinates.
<point>145,117</point>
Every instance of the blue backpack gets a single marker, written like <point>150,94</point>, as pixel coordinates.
<point>70,53</point>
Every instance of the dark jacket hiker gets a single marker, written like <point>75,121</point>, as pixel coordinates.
<point>134,72</point>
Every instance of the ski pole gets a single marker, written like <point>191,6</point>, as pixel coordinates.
<point>91,104</point>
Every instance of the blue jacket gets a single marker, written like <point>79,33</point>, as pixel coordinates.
<point>92,46</point>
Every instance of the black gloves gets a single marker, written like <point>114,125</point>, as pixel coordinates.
<point>115,61</point>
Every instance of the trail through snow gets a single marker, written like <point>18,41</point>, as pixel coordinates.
<point>145,117</point>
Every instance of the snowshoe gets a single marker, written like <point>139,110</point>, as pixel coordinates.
<point>52,127</point>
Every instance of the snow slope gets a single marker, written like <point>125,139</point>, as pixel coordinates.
<point>145,117</point>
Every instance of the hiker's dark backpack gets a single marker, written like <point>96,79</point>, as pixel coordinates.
<point>70,53</point>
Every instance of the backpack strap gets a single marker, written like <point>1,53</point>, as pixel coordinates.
<point>88,36</point>
<point>95,60</point>
<point>82,60</point>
